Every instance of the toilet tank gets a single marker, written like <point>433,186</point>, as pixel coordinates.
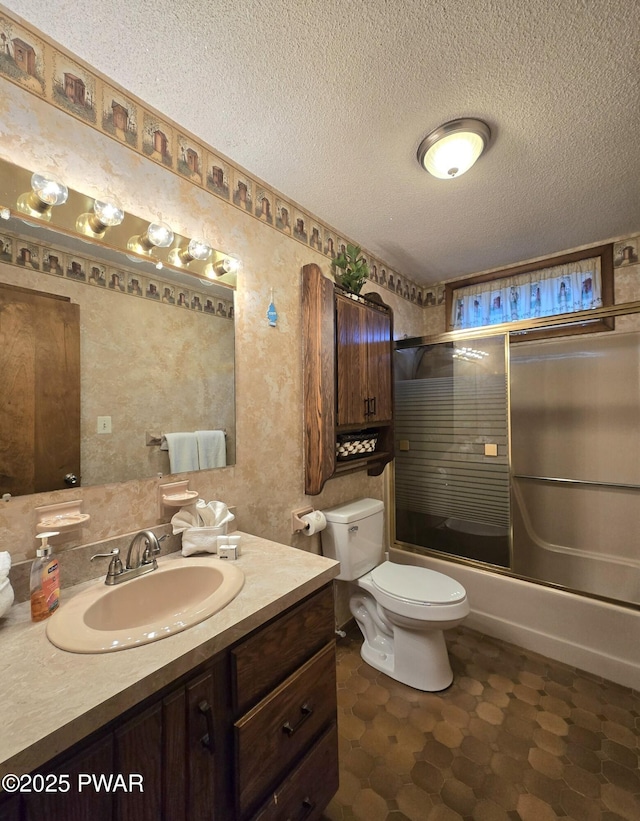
<point>354,536</point>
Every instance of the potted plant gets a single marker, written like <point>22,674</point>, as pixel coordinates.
<point>350,269</point>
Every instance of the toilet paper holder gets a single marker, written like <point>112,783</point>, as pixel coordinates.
<point>297,525</point>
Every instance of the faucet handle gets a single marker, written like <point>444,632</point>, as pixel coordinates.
<point>152,547</point>
<point>115,565</point>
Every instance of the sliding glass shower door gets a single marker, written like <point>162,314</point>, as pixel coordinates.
<point>452,459</point>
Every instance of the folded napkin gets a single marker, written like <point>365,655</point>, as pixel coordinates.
<point>200,525</point>
<point>5,564</point>
<point>6,591</point>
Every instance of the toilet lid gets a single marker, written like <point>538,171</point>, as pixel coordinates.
<point>416,584</point>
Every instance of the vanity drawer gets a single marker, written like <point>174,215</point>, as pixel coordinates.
<point>306,792</point>
<point>275,734</point>
<point>273,653</point>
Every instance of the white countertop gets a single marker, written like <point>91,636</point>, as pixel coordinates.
<point>50,698</point>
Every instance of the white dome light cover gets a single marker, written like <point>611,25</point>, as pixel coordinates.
<point>453,148</point>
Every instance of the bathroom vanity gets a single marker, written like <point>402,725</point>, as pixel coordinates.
<point>230,720</point>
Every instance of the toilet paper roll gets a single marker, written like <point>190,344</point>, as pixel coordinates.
<point>314,521</point>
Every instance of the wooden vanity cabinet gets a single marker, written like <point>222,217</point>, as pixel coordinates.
<point>178,745</point>
<point>348,377</point>
<point>239,738</point>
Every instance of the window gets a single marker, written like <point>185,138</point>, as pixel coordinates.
<point>579,281</point>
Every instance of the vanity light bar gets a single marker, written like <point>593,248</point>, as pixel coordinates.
<point>44,198</point>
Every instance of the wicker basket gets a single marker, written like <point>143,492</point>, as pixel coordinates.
<point>356,445</point>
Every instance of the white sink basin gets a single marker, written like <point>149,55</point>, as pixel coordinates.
<point>172,598</point>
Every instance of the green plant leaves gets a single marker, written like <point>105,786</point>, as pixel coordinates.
<point>354,269</point>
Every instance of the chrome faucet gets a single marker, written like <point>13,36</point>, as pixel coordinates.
<point>146,556</point>
<point>143,549</point>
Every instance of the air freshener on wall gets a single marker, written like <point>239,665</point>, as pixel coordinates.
<point>272,314</point>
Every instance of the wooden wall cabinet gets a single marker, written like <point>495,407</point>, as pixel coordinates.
<point>348,377</point>
<point>245,735</point>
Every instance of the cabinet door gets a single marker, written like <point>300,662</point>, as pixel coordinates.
<point>138,748</point>
<point>351,360</point>
<point>363,356</point>
<point>174,752</point>
<point>201,748</point>
<point>10,809</point>
<point>90,802</point>
<point>378,333</point>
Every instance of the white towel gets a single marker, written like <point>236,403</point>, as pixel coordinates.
<point>212,450</point>
<point>6,596</point>
<point>5,564</point>
<point>183,452</point>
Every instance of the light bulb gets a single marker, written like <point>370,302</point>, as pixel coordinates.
<point>226,265</point>
<point>109,212</point>
<point>49,189</point>
<point>198,249</point>
<point>157,235</point>
<point>160,234</point>
<point>46,191</point>
<point>106,214</point>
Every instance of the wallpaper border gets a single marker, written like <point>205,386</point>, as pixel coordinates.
<point>31,60</point>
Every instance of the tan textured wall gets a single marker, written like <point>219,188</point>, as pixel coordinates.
<point>267,481</point>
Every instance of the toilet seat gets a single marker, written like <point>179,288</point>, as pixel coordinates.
<point>416,585</point>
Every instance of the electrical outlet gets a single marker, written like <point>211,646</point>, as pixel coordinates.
<point>104,424</point>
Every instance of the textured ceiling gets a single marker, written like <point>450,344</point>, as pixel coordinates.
<point>327,101</point>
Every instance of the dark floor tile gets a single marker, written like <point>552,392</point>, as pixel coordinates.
<point>517,737</point>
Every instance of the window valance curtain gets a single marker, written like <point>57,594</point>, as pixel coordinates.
<point>562,289</point>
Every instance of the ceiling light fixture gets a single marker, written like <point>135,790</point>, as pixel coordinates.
<point>196,249</point>
<point>453,148</point>
<point>46,191</point>
<point>157,235</point>
<point>106,214</point>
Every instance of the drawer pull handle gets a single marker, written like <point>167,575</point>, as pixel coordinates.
<point>308,806</point>
<point>289,729</point>
<point>204,708</point>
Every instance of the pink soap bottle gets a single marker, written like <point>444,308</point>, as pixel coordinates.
<point>44,580</point>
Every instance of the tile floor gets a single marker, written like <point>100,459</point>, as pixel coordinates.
<point>516,737</point>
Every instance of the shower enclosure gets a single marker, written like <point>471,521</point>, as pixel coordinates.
<point>524,456</point>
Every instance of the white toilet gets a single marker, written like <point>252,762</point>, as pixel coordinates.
<point>400,609</point>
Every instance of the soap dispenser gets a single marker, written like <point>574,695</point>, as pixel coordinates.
<point>45,580</point>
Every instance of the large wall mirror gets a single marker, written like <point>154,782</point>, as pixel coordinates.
<point>108,349</point>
